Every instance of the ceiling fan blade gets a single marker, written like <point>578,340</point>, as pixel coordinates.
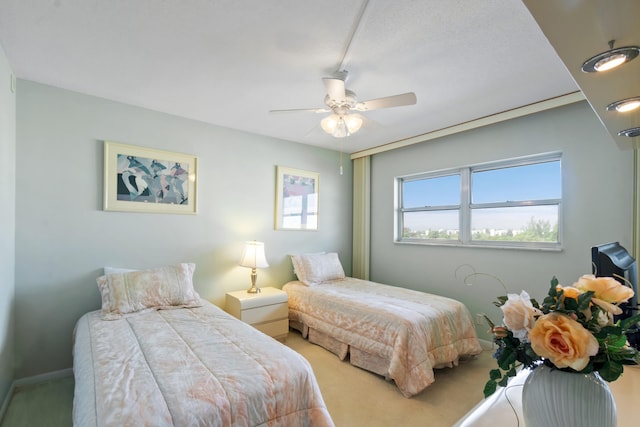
<point>335,89</point>
<point>408,98</point>
<point>299,110</point>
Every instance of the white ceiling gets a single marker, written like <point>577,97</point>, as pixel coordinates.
<point>228,62</point>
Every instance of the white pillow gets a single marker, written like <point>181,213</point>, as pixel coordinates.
<point>114,270</point>
<point>145,290</point>
<point>313,269</point>
<point>295,260</point>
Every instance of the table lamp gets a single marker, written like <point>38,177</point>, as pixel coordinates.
<point>253,257</point>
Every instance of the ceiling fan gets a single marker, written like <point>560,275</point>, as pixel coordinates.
<point>342,103</point>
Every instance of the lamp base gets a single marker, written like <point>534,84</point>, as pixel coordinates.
<point>254,277</point>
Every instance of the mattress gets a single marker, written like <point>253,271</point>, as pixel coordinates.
<point>189,367</point>
<point>399,333</point>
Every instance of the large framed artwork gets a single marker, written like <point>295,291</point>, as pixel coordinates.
<point>297,197</point>
<point>139,179</point>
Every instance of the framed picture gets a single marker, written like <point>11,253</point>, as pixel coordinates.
<point>139,179</point>
<point>297,197</point>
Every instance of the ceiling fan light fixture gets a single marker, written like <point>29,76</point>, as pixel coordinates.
<point>341,130</point>
<point>342,103</point>
<point>341,126</point>
<point>625,105</point>
<point>610,59</point>
<point>329,123</point>
<point>353,122</point>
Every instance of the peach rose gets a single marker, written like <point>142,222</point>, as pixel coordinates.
<point>607,291</point>
<point>562,340</point>
<point>604,288</point>
<point>519,314</point>
<point>569,291</point>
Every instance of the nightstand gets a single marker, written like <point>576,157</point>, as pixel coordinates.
<point>267,311</point>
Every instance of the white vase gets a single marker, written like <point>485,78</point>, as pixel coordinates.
<point>555,398</point>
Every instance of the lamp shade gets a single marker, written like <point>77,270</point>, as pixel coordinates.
<point>329,123</point>
<point>340,126</point>
<point>354,122</point>
<point>253,255</point>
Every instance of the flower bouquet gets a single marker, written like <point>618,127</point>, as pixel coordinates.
<point>573,330</point>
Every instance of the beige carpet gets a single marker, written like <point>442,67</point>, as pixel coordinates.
<point>46,404</point>
<point>357,398</point>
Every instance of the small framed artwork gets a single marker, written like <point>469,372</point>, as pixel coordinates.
<point>139,179</point>
<point>297,197</point>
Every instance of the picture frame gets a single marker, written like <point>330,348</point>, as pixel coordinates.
<point>140,179</point>
<point>297,199</point>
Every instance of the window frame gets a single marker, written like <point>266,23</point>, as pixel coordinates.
<point>466,207</point>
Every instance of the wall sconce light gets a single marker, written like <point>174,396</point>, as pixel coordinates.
<point>253,257</point>
<point>610,59</point>
<point>625,105</point>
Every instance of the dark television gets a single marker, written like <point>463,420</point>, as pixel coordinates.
<point>613,260</point>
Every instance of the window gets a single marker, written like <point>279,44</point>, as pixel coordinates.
<point>512,203</point>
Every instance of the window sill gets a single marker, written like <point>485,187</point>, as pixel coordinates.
<point>482,245</point>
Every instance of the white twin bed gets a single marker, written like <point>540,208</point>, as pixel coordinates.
<point>157,355</point>
<point>398,333</point>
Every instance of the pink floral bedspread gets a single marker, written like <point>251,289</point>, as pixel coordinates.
<point>189,367</point>
<point>413,331</point>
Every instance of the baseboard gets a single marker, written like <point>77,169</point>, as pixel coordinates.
<point>36,379</point>
<point>7,399</point>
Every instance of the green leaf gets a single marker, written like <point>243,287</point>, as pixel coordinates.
<point>610,371</point>
<point>625,355</point>
<point>530,353</point>
<point>588,369</point>
<point>503,382</point>
<point>569,304</point>
<point>495,374</point>
<point>490,388</point>
<point>584,300</point>
<point>507,358</point>
<point>612,330</point>
<point>501,300</point>
<point>632,359</point>
<point>630,322</point>
<point>617,340</point>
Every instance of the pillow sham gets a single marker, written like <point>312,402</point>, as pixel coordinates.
<point>114,270</point>
<point>295,260</point>
<point>145,290</point>
<point>313,269</point>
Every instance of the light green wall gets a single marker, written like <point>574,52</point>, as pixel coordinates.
<point>64,238</point>
<point>7,224</point>
<point>597,205</point>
